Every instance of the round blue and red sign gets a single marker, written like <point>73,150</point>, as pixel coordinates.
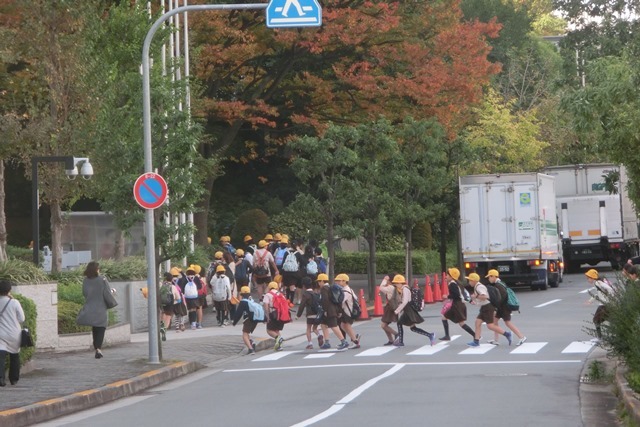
<point>150,190</point>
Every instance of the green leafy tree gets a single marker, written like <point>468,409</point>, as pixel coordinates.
<point>114,44</point>
<point>503,141</point>
<point>324,165</point>
<point>420,176</point>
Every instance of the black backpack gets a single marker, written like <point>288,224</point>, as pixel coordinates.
<point>356,310</point>
<point>495,297</point>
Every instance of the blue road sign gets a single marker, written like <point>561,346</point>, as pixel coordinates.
<point>150,190</point>
<point>294,13</point>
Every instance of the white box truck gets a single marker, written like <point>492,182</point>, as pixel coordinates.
<point>508,222</point>
<point>597,223</point>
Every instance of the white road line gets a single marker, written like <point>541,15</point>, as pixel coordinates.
<point>584,292</point>
<point>484,348</point>
<point>349,397</point>
<point>579,347</point>
<point>274,356</point>
<point>427,350</point>
<point>351,365</point>
<point>376,351</point>
<point>319,355</point>
<point>529,348</point>
<point>547,303</point>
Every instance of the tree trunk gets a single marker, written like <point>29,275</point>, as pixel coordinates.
<point>201,218</point>
<point>330,248</point>
<point>120,244</point>
<point>3,218</point>
<point>409,266</point>
<point>443,244</point>
<point>56,236</point>
<point>371,239</point>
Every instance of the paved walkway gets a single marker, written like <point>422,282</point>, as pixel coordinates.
<point>62,383</point>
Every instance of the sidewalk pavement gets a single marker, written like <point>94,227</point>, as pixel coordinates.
<point>62,383</point>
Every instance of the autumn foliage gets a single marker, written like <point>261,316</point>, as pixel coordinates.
<point>369,58</point>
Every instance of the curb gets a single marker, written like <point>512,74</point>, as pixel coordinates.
<point>82,400</point>
<point>628,396</point>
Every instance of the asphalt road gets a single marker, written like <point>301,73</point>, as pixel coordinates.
<point>448,384</point>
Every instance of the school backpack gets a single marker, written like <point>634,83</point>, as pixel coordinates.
<point>190,290</point>
<point>241,270</point>
<point>291,262</point>
<point>495,298</point>
<point>512,300</point>
<point>316,306</point>
<point>260,264</point>
<point>279,256</point>
<point>166,294</point>
<point>356,310</point>
<point>219,289</point>
<point>312,267</point>
<point>322,264</point>
<point>256,310</point>
<point>417,298</point>
<point>336,294</point>
<point>281,308</point>
<point>464,294</point>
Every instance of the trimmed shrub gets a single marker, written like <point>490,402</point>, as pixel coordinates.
<point>30,314</point>
<point>129,268</point>
<point>67,314</point>
<point>201,256</point>
<point>71,291</point>
<point>356,262</point>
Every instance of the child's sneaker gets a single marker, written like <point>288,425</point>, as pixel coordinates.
<point>432,338</point>
<point>507,335</point>
<point>278,345</point>
<point>522,341</point>
<point>253,344</point>
<point>473,343</point>
<point>309,347</point>
<point>494,342</point>
<point>163,333</point>
<point>198,326</point>
<point>325,345</point>
<point>344,344</point>
<point>320,340</point>
<point>251,352</point>
<point>354,345</point>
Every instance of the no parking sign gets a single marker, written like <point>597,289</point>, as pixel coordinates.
<point>150,190</point>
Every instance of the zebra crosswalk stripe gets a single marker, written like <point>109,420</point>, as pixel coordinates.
<point>529,348</point>
<point>579,347</point>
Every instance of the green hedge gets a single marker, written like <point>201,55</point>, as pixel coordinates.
<point>18,271</point>
<point>423,262</point>
<point>30,314</point>
<point>70,301</point>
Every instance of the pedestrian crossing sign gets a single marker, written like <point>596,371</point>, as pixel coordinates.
<point>294,13</point>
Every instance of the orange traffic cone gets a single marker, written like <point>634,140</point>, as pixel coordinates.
<point>428,293</point>
<point>363,305</point>
<point>445,286</point>
<point>377,304</point>
<point>437,291</point>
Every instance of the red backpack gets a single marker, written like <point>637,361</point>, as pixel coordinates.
<point>281,307</point>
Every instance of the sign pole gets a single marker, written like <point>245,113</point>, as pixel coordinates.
<point>148,162</point>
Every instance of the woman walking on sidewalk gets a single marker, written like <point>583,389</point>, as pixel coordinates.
<point>98,298</point>
<point>11,316</point>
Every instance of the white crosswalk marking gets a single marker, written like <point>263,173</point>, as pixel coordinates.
<point>579,347</point>
<point>274,356</point>
<point>427,350</point>
<point>529,348</point>
<point>484,348</point>
<point>376,351</point>
<point>319,355</point>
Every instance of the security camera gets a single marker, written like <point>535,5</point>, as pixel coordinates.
<point>87,170</point>
<point>72,173</point>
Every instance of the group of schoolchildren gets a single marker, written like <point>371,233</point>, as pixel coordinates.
<point>283,274</point>
<point>491,298</point>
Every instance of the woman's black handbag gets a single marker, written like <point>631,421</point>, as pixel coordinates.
<point>25,339</point>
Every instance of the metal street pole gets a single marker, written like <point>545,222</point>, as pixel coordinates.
<point>148,160</point>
